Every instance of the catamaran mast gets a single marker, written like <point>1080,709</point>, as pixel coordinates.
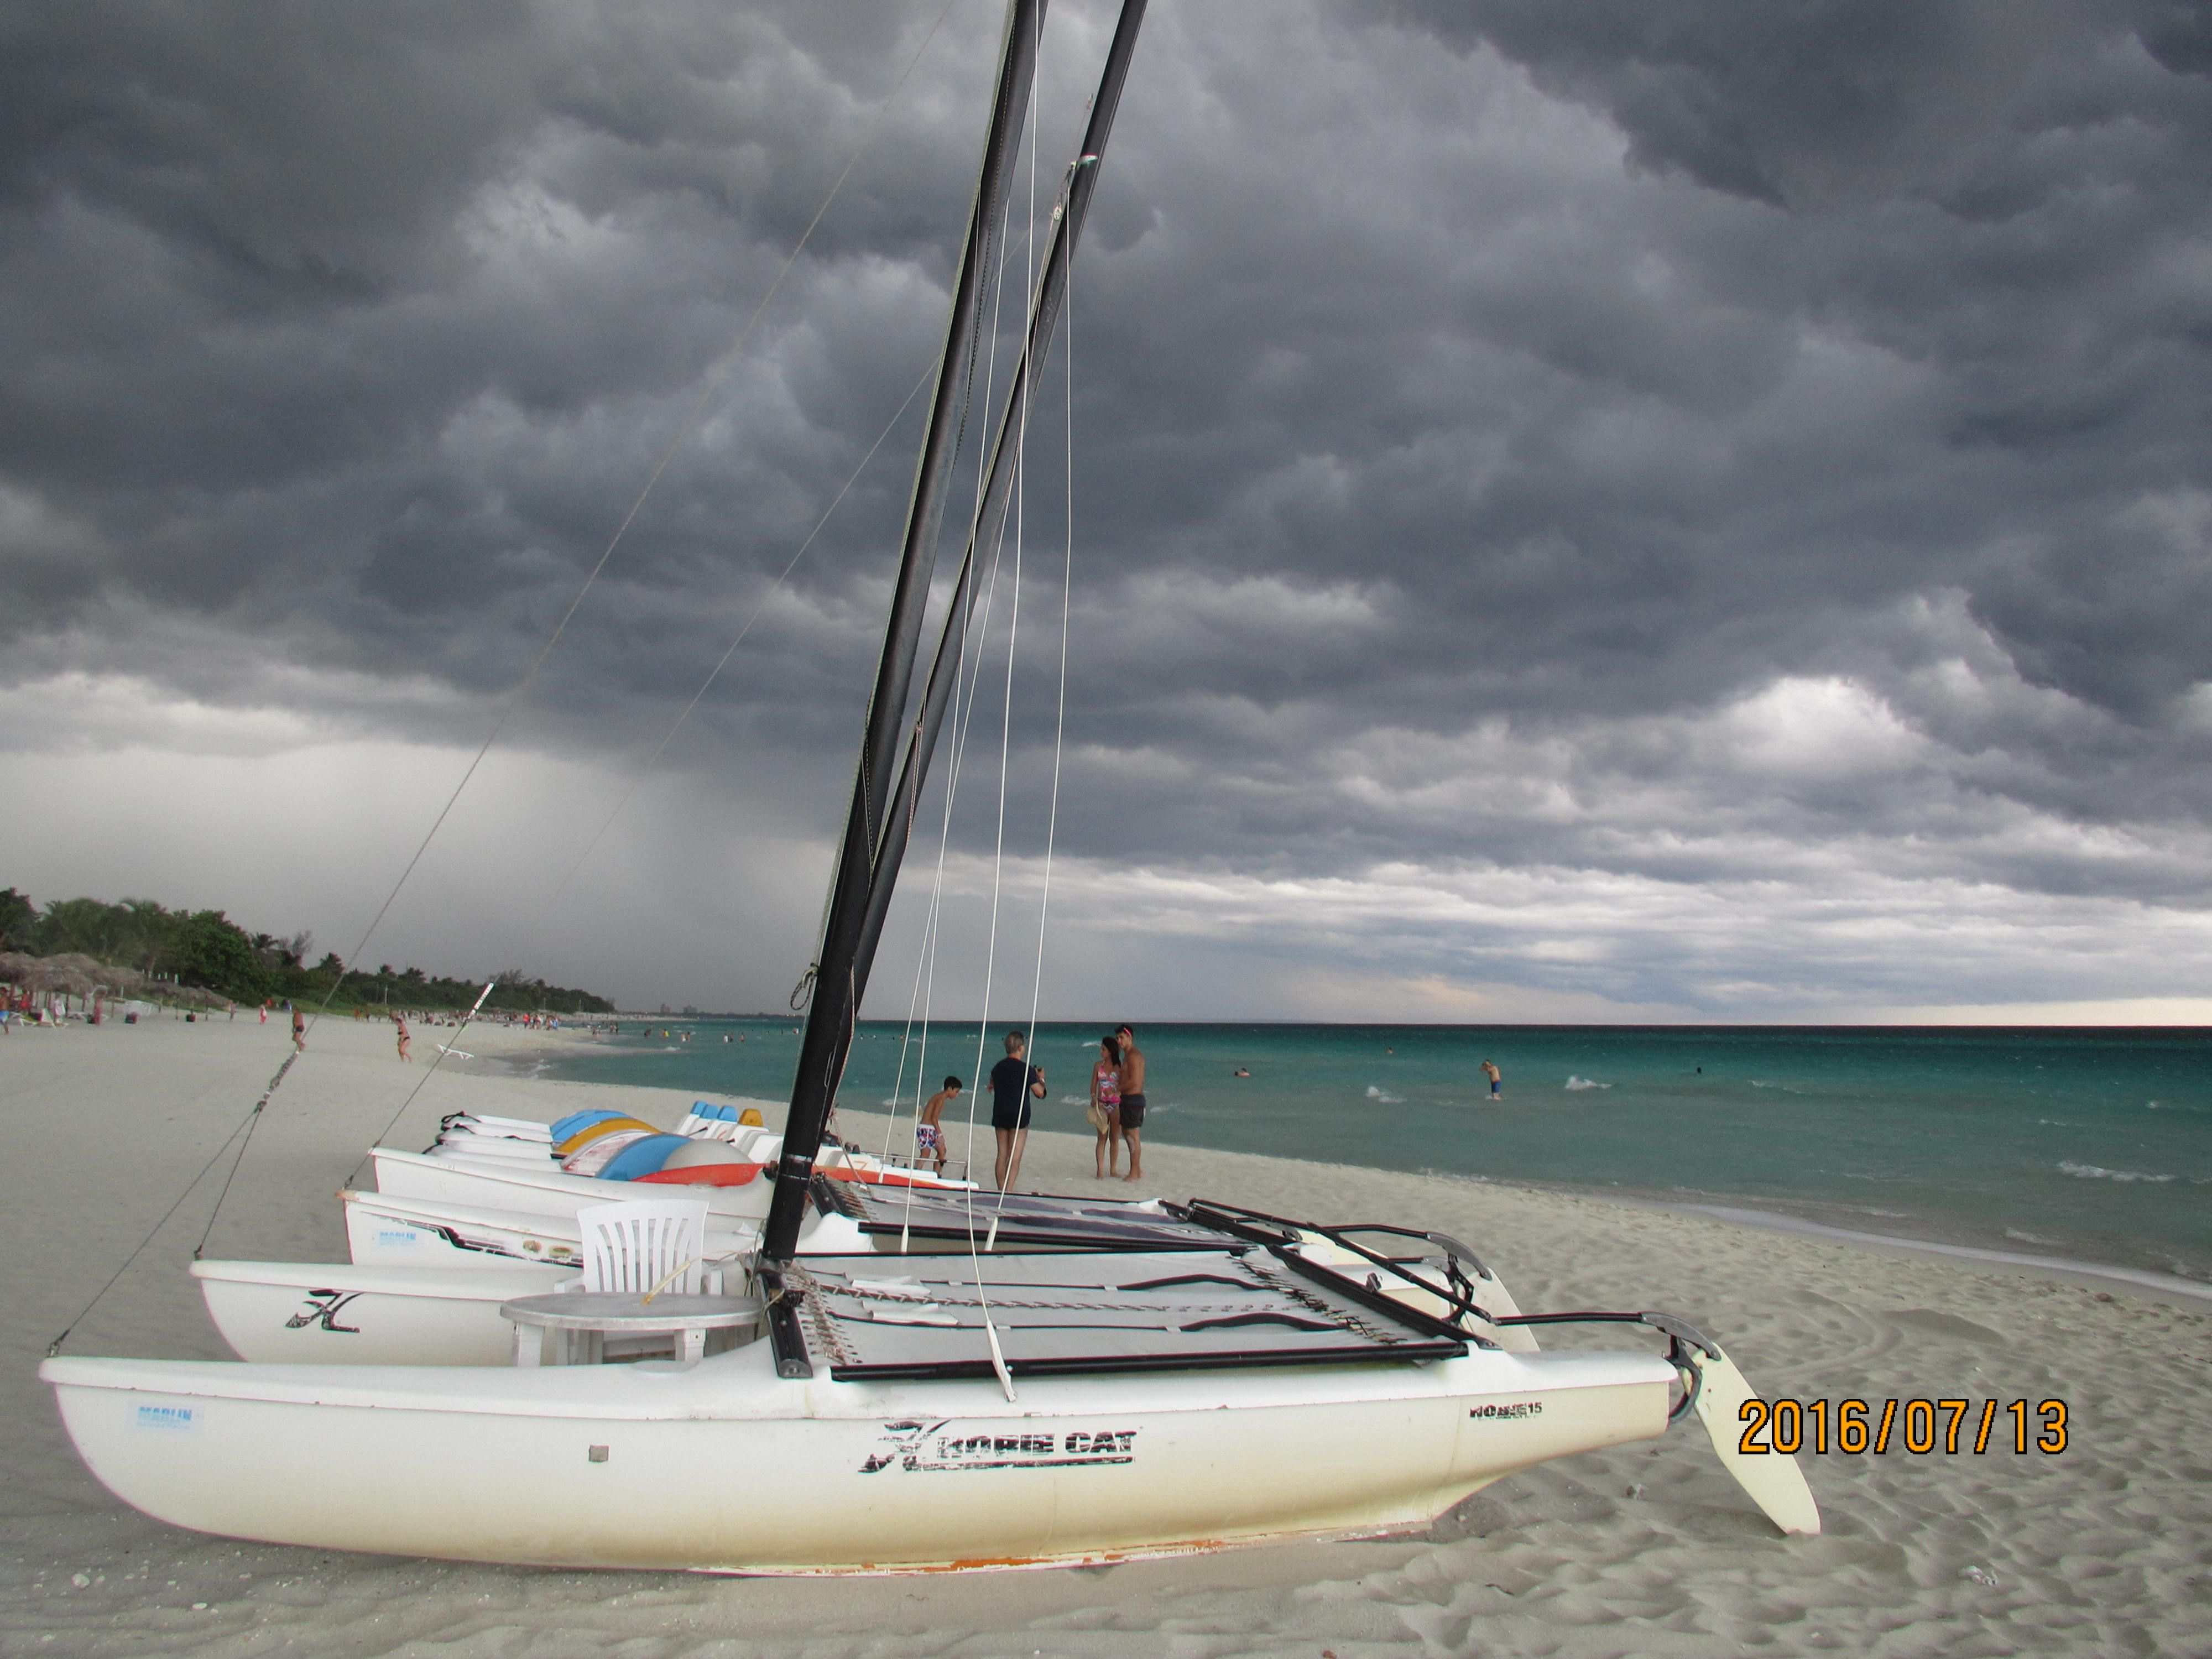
<point>828,1021</point>
<point>1068,217</point>
<point>879,823</point>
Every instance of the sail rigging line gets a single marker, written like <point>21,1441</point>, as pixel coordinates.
<point>962,723</point>
<point>824,1046</point>
<point>683,430</point>
<point>1068,215</point>
<point>1006,748</point>
<point>1005,742</point>
<point>862,897</point>
<point>1068,219</point>
<point>244,1125</point>
<point>760,609</point>
<point>444,1048</point>
<point>983,467</point>
<point>1067,599</point>
<point>253,1116</point>
<point>927,956</point>
<point>514,698</point>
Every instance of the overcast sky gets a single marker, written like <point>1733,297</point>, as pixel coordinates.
<point>1613,510</point>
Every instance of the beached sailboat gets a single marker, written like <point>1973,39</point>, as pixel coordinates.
<point>930,1411</point>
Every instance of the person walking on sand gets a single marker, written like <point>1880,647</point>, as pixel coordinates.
<point>299,1029</point>
<point>1014,1082</point>
<point>400,1020</point>
<point>1496,1078</point>
<point>1132,1100</point>
<point>929,1134</point>
<point>1105,1109</point>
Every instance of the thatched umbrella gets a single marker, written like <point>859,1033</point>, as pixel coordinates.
<point>79,975</point>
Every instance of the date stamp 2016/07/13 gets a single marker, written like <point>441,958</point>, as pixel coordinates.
<point>1919,1426</point>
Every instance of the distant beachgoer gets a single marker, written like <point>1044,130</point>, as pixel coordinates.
<point>1014,1082</point>
<point>400,1020</point>
<point>1132,1100</point>
<point>299,1029</point>
<point>1497,1078</point>
<point>264,1013</point>
<point>1105,1109</point>
<point>1241,1072</point>
<point>928,1133</point>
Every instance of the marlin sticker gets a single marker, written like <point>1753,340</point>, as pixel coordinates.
<point>926,1446</point>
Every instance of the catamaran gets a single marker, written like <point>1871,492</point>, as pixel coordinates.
<point>979,1408</point>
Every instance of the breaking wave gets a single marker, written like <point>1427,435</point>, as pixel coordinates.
<point>1574,1082</point>
<point>1376,1094</point>
<point>2092,1172</point>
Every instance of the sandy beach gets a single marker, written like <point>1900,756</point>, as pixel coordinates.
<point>2104,1549</point>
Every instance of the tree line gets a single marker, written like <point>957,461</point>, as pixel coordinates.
<point>205,948</point>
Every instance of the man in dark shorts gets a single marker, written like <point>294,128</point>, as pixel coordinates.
<point>1014,1081</point>
<point>1132,1100</point>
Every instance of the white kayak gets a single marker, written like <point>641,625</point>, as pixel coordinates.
<point>293,1312</point>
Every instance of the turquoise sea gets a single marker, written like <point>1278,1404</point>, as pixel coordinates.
<point>2091,1144</point>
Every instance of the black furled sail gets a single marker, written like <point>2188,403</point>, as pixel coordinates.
<point>990,516</point>
<point>876,825</point>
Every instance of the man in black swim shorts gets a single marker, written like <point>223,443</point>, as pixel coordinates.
<point>1013,1082</point>
<point>1132,1100</point>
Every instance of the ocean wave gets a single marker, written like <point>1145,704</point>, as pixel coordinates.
<point>1574,1082</point>
<point>2030,1238</point>
<point>1761,1083</point>
<point>2092,1172</point>
<point>1376,1094</point>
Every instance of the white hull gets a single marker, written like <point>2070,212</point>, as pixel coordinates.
<point>533,1154</point>
<point>724,1466</point>
<point>306,1313</point>
<point>423,1233</point>
<point>502,1184</point>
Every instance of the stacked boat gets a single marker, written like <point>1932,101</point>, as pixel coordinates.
<point>488,1213</point>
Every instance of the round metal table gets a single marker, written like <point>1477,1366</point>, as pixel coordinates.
<point>581,1321</point>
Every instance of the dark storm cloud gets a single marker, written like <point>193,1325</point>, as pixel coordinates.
<point>357,335</point>
<point>1686,446</point>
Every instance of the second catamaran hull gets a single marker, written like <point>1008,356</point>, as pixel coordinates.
<point>306,1313</point>
<point>501,1184</point>
<point>724,1466</point>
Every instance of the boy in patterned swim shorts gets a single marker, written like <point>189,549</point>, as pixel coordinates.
<point>928,1134</point>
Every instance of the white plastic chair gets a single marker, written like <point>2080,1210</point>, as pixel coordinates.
<point>642,1245</point>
